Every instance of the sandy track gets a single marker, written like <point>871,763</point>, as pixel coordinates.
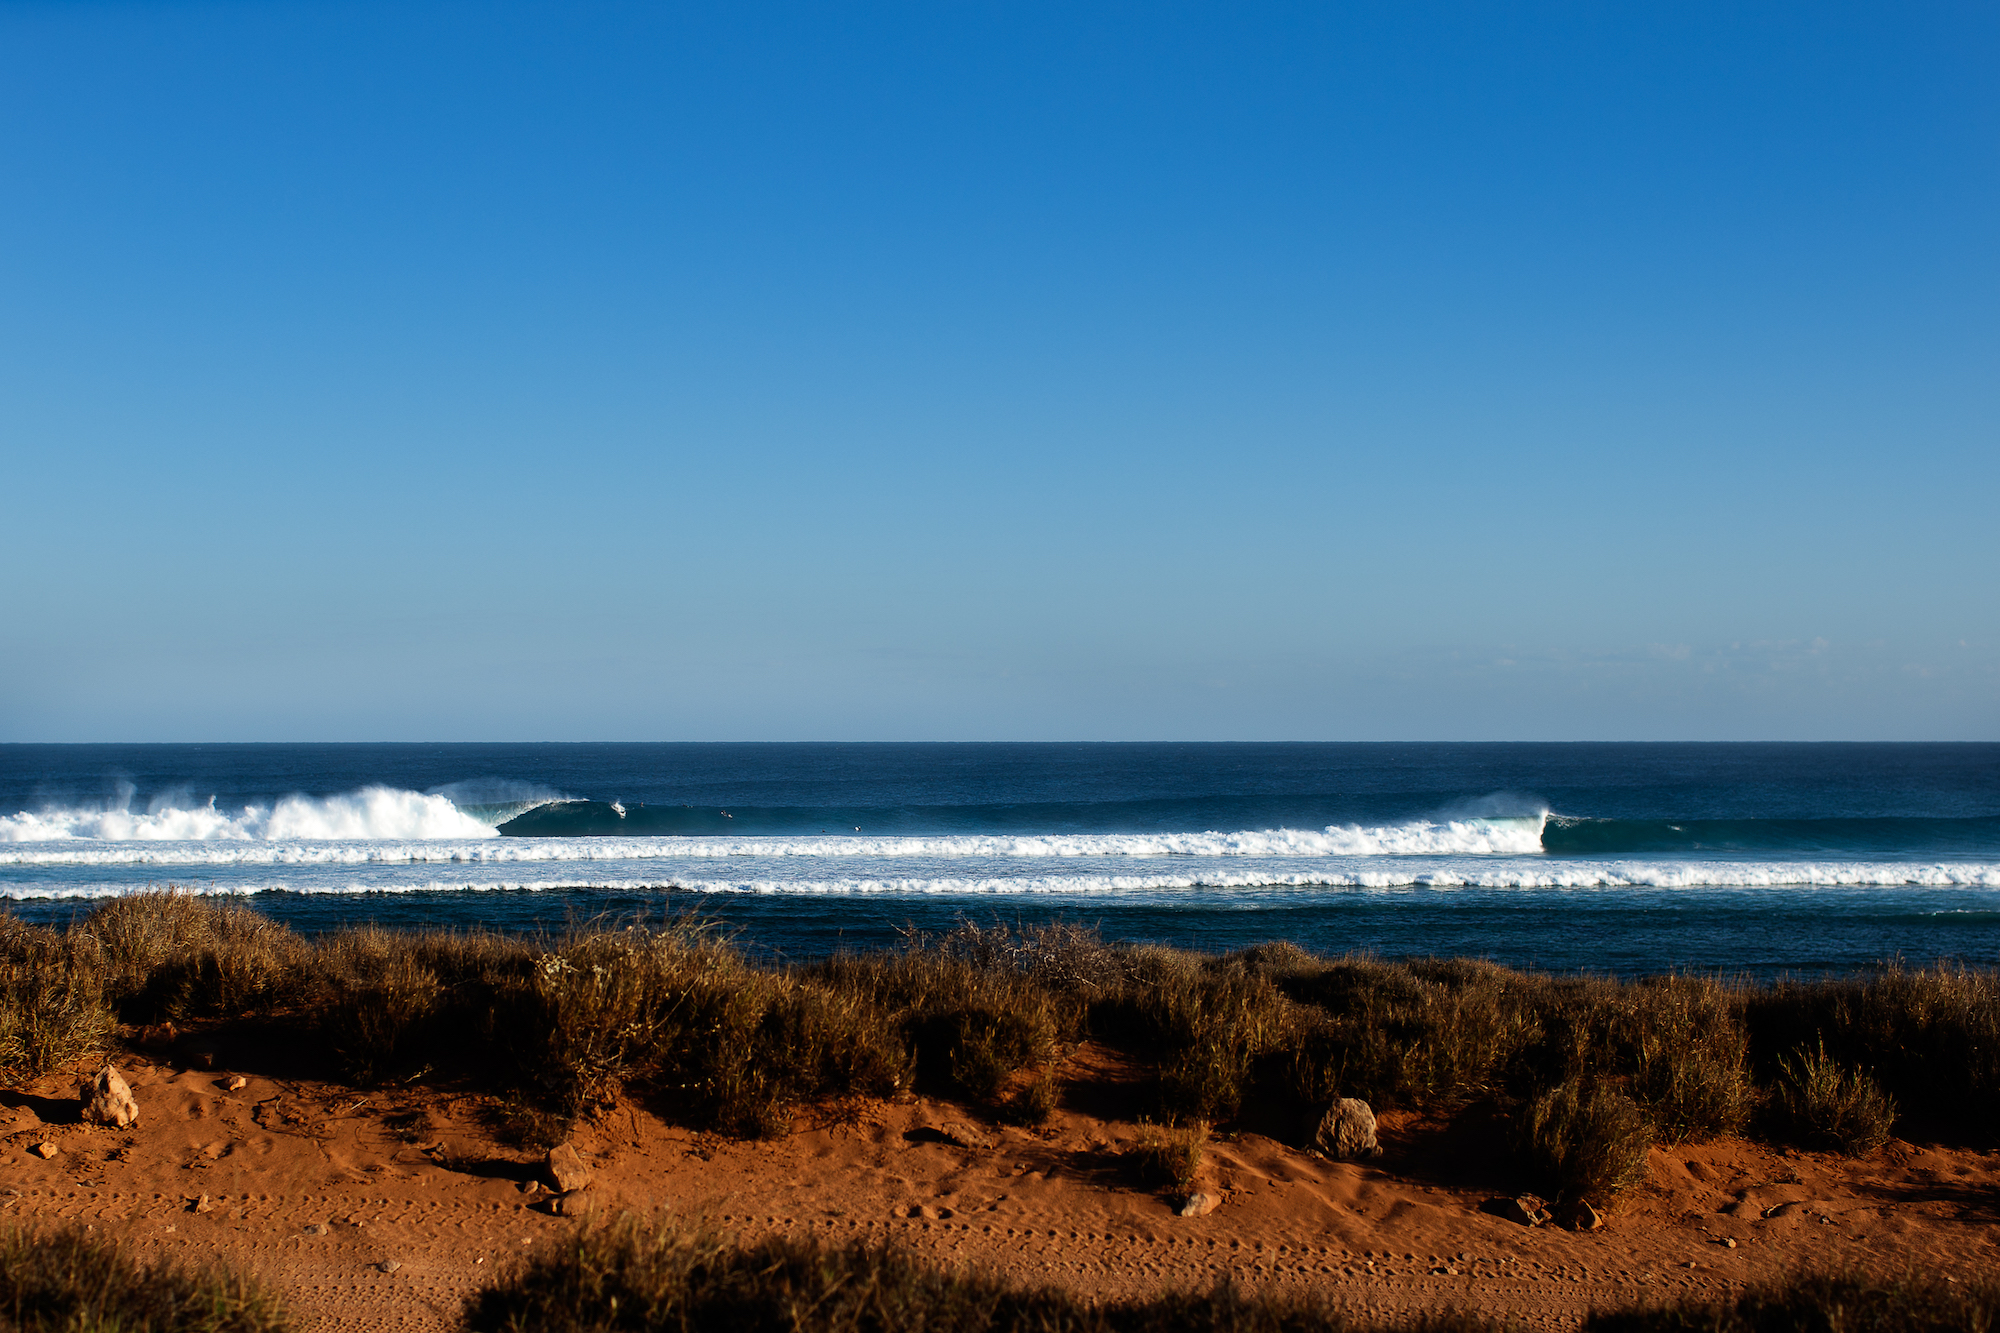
<point>383,1211</point>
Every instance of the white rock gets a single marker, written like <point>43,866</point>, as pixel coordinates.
<point>1199,1204</point>
<point>1348,1130</point>
<point>107,1100</point>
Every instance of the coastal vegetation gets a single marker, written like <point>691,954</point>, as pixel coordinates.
<point>76,1281</point>
<point>1584,1072</point>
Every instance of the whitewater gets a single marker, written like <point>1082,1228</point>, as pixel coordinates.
<point>1606,857</point>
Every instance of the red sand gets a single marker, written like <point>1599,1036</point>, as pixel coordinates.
<point>331,1195</point>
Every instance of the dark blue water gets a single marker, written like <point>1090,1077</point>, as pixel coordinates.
<point>1626,858</point>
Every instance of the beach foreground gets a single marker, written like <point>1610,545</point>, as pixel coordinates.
<point>378,1123</point>
<point>387,1210</point>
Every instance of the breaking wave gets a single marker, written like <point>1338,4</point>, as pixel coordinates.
<point>278,842</point>
<point>373,813</point>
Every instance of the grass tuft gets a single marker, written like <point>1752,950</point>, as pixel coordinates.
<point>663,1275</point>
<point>1822,1104</point>
<point>70,1281</point>
<point>1584,1141</point>
<point>1821,1303</point>
<point>1169,1158</point>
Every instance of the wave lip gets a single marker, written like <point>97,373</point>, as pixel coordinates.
<point>371,814</point>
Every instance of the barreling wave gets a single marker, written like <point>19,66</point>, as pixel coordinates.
<point>1468,877</point>
<point>373,813</point>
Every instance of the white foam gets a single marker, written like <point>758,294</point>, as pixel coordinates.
<point>371,814</point>
<point>909,880</point>
<point>276,843</point>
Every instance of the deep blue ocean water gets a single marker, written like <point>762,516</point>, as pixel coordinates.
<point>1623,858</point>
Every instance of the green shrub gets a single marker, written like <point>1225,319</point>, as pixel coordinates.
<point>1584,1140</point>
<point>1822,1104</point>
<point>71,1281</point>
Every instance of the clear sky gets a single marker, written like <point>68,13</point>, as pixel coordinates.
<point>596,371</point>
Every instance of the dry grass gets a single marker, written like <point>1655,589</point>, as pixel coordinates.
<point>1822,1303</point>
<point>662,1275</point>
<point>70,1281</point>
<point>1169,1158</point>
<point>671,1012</point>
<point>1823,1104</point>
<point>52,1013</point>
<point>1584,1141</point>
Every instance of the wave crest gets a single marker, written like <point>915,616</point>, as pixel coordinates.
<point>371,814</point>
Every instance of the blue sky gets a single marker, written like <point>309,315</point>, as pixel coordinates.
<point>488,371</point>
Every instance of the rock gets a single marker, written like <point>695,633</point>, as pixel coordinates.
<point>388,1265</point>
<point>1580,1216</point>
<point>44,1150</point>
<point>921,1210</point>
<point>573,1203</point>
<point>1347,1131</point>
<point>1524,1209</point>
<point>566,1169</point>
<point>962,1135</point>
<point>108,1101</point>
<point>1199,1204</point>
<point>201,1205</point>
<point>238,1083</point>
<point>319,1229</point>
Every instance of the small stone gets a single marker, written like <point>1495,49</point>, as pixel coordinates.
<point>319,1229</point>
<point>566,1169</point>
<point>919,1210</point>
<point>962,1135</point>
<point>238,1083</point>
<point>1523,1209</point>
<point>1199,1204</point>
<point>107,1100</point>
<point>201,1205</point>
<point>572,1203</point>
<point>44,1150</point>
<point>530,1187</point>
<point>1728,1243</point>
<point>388,1265</point>
<point>1347,1131</point>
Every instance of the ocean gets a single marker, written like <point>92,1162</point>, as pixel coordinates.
<point>1751,859</point>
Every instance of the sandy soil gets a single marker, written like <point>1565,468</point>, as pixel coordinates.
<point>383,1210</point>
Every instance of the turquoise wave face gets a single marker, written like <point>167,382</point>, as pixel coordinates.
<point>1570,836</point>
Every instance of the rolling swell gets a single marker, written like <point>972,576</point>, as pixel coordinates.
<point>1565,835</point>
